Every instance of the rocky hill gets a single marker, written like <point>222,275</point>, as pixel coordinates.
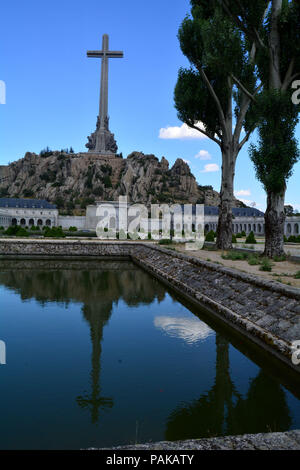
<point>72,181</point>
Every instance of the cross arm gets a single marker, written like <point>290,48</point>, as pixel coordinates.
<point>110,54</point>
<point>94,53</point>
<point>116,54</point>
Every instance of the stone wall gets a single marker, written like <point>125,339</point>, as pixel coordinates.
<point>72,221</point>
<point>267,313</point>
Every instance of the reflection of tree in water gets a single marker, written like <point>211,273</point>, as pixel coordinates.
<point>223,411</point>
<point>98,286</point>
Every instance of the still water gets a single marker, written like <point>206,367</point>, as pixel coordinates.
<point>102,354</point>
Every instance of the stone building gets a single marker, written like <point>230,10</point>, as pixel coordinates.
<point>249,219</point>
<point>27,212</point>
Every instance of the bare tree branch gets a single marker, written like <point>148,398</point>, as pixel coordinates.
<point>288,76</point>
<point>244,90</point>
<point>216,99</point>
<point>245,139</point>
<point>203,131</point>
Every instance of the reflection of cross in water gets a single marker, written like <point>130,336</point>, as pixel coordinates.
<point>94,402</point>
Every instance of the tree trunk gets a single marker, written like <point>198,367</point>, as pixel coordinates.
<point>224,231</point>
<point>274,225</point>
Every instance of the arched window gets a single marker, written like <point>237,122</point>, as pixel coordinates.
<point>40,222</point>
<point>48,222</point>
<point>14,222</point>
<point>289,228</point>
<point>296,229</point>
<point>23,222</point>
<point>31,222</point>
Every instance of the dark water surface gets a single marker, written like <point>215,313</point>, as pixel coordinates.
<point>102,354</point>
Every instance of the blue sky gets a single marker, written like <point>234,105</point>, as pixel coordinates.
<point>52,88</point>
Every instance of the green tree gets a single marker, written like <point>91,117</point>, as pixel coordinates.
<point>206,95</point>
<point>277,40</point>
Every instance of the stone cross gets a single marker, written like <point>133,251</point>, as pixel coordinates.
<point>100,138</point>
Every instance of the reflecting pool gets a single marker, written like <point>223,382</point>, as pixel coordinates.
<point>101,354</point>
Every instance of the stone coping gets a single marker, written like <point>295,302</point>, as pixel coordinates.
<point>294,292</point>
<point>270,441</point>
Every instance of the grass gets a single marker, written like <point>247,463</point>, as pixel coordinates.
<point>165,241</point>
<point>279,259</point>
<point>266,265</point>
<point>253,260</point>
<point>297,275</point>
<point>209,248</point>
<point>235,256</point>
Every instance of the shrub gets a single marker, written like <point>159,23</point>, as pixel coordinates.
<point>28,193</point>
<point>107,181</point>
<point>210,237</point>
<point>17,231</point>
<point>22,232</point>
<point>54,232</point>
<point>251,239</point>
<point>72,229</point>
<point>1,228</point>
<point>294,239</point>
<point>98,191</point>
<point>297,275</point>
<point>234,240</point>
<point>46,152</point>
<point>243,233</point>
<point>253,260</point>
<point>165,241</point>
<point>265,265</point>
<point>12,230</point>
<point>239,235</point>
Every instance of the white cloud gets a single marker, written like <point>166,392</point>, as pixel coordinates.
<point>211,168</point>
<point>295,206</point>
<point>250,203</point>
<point>243,192</point>
<point>187,161</point>
<point>203,155</point>
<point>182,132</point>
